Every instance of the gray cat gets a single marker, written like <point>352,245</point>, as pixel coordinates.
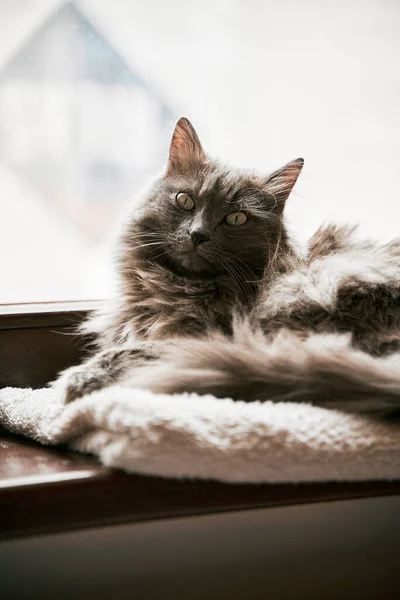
<point>214,298</point>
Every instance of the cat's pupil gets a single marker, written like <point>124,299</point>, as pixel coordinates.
<point>184,201</point>
<point>236,219</point>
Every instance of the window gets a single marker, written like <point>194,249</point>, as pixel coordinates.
<point>90,90</point>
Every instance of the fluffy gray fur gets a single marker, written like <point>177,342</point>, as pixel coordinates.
<point>233,310</point>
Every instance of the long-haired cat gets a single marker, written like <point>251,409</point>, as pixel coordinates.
<point>214,298</point>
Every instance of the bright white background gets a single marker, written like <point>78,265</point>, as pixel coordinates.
<point>263,82</point>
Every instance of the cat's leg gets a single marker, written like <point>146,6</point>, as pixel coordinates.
<point>371,312</point>
<point>103,369</point>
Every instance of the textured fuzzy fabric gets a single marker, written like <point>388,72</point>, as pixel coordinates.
<point>204,437</point>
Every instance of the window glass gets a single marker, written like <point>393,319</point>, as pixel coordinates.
<point>90,91</point>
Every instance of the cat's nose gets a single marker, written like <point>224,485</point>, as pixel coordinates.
<point>198,237</point>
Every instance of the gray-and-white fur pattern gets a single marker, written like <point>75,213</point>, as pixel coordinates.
<point>214,298</point>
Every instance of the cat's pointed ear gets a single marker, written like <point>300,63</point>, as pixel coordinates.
<point>185,149</point>
<point>281,182</point>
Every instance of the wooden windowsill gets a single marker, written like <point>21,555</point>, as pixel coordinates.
<point>45,490</point>
<point>40,314</point>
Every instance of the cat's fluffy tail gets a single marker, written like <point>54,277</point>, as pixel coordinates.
<point>322,369</point>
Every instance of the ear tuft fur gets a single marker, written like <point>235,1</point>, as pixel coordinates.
<point>281,182</point>
<point>185,149</point>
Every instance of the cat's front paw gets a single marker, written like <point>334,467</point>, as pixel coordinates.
<point>77,381</point>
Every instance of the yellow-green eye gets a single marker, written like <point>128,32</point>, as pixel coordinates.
<point>236,219</point>
<point>185,201</point>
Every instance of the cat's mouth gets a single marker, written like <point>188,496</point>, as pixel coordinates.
<point>189,262</point>
<point>177,267</point>
<point>193,260</point>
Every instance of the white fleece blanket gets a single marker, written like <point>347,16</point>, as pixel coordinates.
<point>204,437</point>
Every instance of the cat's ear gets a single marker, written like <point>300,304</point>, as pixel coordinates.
<point>185,149</point>
<point>281,182</point>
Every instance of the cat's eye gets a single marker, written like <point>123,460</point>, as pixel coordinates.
<point>185,201</point>
<point>236,219</point>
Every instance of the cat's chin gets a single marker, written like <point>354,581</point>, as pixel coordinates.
<point>193,262</point>
<point>190,265</point>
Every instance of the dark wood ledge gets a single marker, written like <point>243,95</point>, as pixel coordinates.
<point>38,340</point>
<point>45,490</point>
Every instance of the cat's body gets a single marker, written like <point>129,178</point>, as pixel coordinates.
<point>215,298</point>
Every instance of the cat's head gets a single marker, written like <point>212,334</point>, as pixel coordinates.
<point>201,218</point>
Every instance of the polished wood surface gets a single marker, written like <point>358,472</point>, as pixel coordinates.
<point>329,551</point>
<point>45,490</point>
